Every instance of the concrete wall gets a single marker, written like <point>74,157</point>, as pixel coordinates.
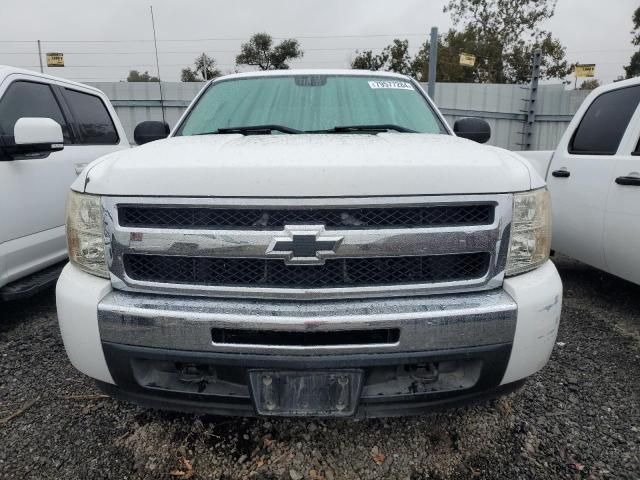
<point>500,105</point>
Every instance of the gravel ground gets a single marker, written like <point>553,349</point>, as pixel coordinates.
<point>578,418</point>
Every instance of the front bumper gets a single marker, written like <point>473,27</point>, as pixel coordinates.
<point>160,351</point>
<point>147,376</point>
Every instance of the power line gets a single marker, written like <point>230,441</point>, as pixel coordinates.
<point>603,50</point>
<point>141,65</point>
<point>122,45</point>
<point>75,41</point>
<point>280,37</point>
<point>206,50</point>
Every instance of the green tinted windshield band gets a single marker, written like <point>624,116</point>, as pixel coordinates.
<point>311,103</point>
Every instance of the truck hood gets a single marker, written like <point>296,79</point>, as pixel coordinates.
<point>308,166</point>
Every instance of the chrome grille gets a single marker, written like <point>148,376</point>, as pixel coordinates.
<point>335,273</point>
<point>393,246</point>
<point>179,217</point>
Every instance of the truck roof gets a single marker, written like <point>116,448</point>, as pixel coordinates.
<point>309,71</point>
<point>6,70</point>
<point>617,85</point>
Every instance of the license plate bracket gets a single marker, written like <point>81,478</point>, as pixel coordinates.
<point>306,393</point>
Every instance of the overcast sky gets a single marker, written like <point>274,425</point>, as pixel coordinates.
<point>330,31</point>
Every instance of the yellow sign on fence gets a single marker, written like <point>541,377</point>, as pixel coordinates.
<point>587,70</point>
<point>467,60</point>
<point>55,59</point>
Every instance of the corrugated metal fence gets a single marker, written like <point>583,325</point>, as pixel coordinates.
<point>501,105</point>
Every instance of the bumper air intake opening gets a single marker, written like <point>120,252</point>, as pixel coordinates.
<point>225,336</point>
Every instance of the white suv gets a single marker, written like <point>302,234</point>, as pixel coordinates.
<point>50,129</point>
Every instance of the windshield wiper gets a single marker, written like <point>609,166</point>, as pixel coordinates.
<point>267,129</point>
<point>254,129</point>
<point>366,128</point>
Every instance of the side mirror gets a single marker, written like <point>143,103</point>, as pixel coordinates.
<point>35,137</point>
<point>475,129</point>
<point>150,131</point>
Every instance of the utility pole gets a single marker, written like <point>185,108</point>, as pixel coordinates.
<point>155,43</point>
<point>530,112</point>
<point>40,56</point>
<point>433,62</point>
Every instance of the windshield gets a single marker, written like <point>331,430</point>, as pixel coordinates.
<point>311,103</point>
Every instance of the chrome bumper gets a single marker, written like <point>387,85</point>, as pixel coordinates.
<point>437,322</point>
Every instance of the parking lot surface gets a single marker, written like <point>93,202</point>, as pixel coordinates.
<point>578,418</point>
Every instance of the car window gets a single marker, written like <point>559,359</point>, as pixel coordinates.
<point>30,99</point>
<point>92,118</point>
<point>605,122</point>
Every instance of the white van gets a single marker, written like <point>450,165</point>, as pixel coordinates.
<point>50,129</point>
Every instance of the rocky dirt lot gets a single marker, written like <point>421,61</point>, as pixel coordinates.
<point>579,418</point>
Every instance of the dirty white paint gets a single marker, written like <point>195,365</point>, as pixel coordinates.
<point>77,297</point>
<point>311,166</point>
<point>539,298</point>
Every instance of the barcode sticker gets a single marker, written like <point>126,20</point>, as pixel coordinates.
<point>393,84</point>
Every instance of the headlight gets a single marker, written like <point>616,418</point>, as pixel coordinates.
<point>530,231</point>
<point>85,233</point>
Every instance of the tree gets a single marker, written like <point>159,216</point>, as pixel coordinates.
<point>590,84</point>
<point>450,46</point>
<point>633,69</point>
<point>552,64</point>
<point>636,27</point>
<point>366,60</point>
<point>188,75</point>
<point>136,76</point>
<point>260,52</point>
<point>396,58</point>
<point>393,58</point>
<point>204,69</point>
<point>505,33</point>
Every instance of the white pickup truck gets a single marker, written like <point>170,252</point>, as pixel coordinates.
<point>594,180</point>
<point>50,129</point>
<point>314,243</point>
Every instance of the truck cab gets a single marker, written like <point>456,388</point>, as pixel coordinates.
<point>35,178</point>
<point>594,180</point>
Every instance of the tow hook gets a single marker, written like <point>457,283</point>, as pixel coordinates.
<point>424,373</point>
<point>196,374</point>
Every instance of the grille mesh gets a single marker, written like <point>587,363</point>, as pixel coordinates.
<point>334,273</point>
<point>225,218</point>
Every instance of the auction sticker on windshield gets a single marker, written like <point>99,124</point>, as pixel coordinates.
<point>397,85</point>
